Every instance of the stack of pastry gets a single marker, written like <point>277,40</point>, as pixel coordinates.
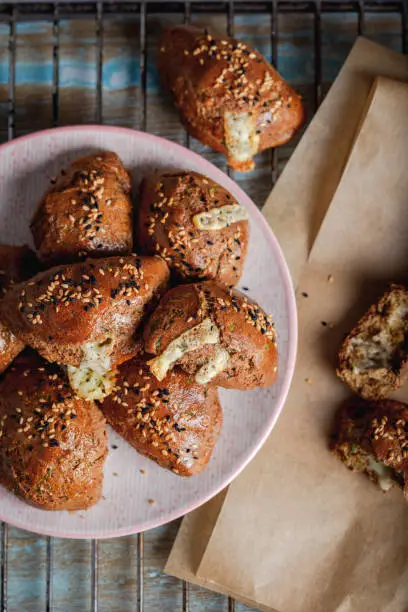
<point>97,333</point>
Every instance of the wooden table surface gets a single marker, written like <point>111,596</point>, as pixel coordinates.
<point>122,105</point>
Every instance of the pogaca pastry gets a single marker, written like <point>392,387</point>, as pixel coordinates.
<point>87,212</point>
<point>228,96</point>
<point>215,335</point>
<point>16,264</point>
<point>372,437</point>
<point>175,422</point>
<point>53,444</point>
<point>195,225</point>
<point>85,315</point>
<point>373,357</point>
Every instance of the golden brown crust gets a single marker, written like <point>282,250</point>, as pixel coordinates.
<point>10,347</point>
<point>61,309</point>
<point>165,226</point>
<point>52,445</point>
<point>245,332</point>
<point>209,76</point>
<point>373,358</point>
<point>175,422</point>
<point>16,263</point>
<point>87,212</point>
<point>371,436</point>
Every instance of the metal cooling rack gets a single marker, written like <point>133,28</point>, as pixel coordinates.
<point>13,12</point>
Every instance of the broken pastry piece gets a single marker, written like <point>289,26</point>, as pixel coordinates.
<point>214,334</point>
<point>87,212</point>
<point>176,422</point>
<point>85,315</point>
<point>53,444</point>
<point>16,263</point>
<point>373,357</point>
<point>372,437</point>
<point>227,94</point>
<point>195,225</point>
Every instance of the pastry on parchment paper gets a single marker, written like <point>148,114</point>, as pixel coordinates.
<point>373,359</point>
<point>176,422</point>
<point>87,212</point>
<point>372,438</point>
<point>195,225</point>
<point>227,94</point>
<point>214,334</point>
<point>53,444</point>
<point>85,315</point>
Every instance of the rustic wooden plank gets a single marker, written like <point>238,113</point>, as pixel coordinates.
<point>26,577</point>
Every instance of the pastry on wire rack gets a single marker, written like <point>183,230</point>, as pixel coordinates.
<point>228,95</point>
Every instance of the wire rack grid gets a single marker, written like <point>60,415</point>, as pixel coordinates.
<point>14,13</point>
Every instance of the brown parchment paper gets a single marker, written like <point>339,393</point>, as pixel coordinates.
<point>365,60</point>
<point>311,536</point>
<point>298,203</point>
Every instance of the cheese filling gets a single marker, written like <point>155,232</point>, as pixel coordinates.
<point>385,475</point>
<point>214,366</point>
<point>93,379</point>
<point>241,138</point>
<point>218,218</point>
<point>205,332</point>
<point>376,351</point>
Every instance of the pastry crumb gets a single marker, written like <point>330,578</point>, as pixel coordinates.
<point>151,501</point>
<point>143,472</point>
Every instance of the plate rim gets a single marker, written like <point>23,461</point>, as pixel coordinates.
<point>229,184</point>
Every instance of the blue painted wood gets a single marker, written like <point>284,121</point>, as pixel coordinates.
<point>123,106</point>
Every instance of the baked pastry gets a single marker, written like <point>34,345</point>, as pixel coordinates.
<point>10,347</point>
<point>215,334</point>
<point>87,212</point>
<point>195,225</point>
<point>175,422</point>
<point>372,437</point>
<point>373,358</point>
<point>52,444</point>
<point>228,96</point>
<point>16,263</point>
<point>85,315</point>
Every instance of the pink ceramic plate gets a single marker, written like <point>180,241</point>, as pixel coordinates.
<point>26,167</point>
